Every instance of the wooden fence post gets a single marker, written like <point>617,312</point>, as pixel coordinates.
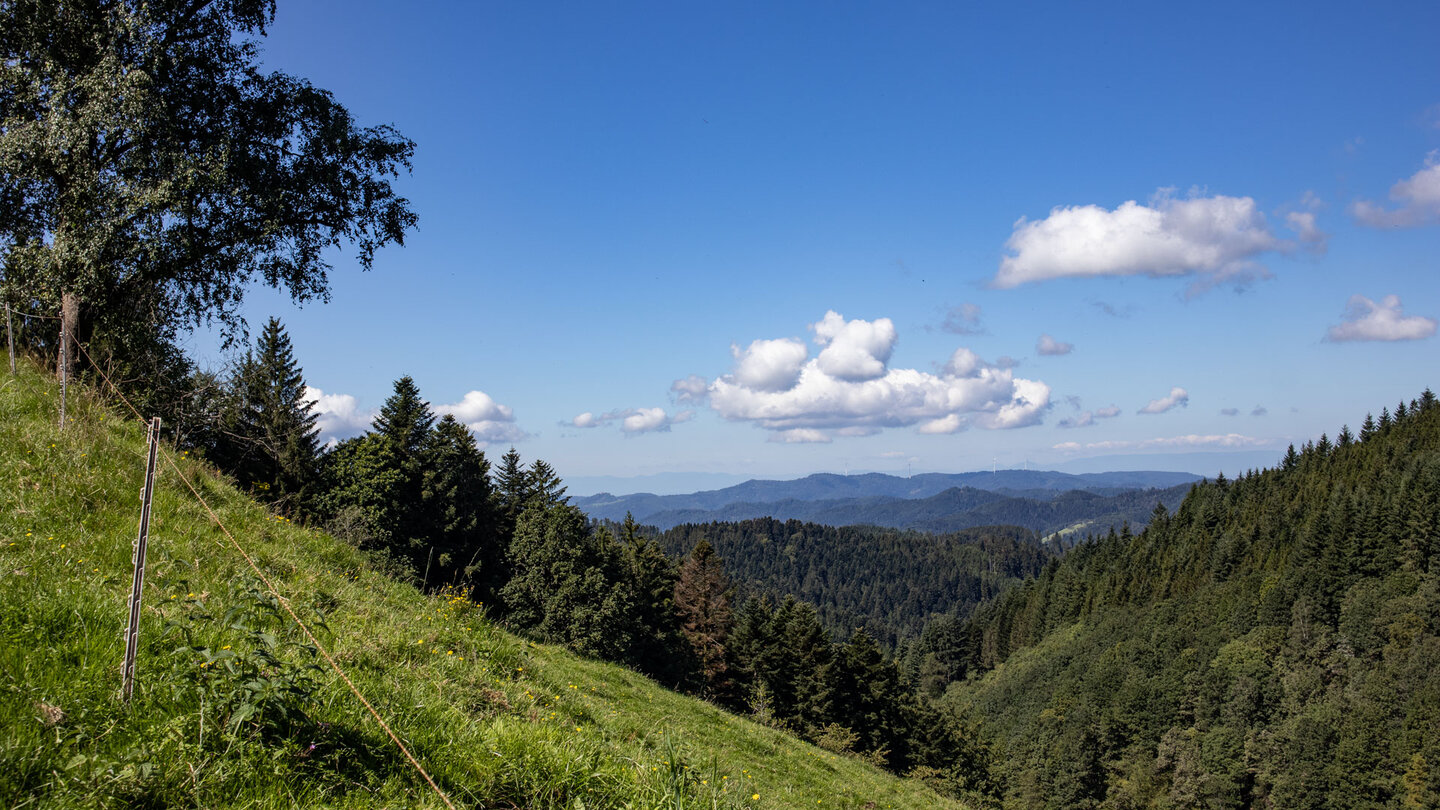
<point>10,335</point>
<point>132,631</point>
<point>64,373</point>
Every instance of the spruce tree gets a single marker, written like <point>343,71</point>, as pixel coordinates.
<point>511,491</point>
<point>403,426</point>
<point>275,435</point>
<point>459,504</point>
<point>702,596</point>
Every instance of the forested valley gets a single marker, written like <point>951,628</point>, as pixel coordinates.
<point>1272,642</point>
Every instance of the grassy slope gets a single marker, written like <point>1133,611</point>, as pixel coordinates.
<point>498,721</point>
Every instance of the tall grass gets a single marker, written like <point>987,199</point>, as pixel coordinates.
<point>233,708</point>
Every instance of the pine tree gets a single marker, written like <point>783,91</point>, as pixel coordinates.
<point>275,435</point>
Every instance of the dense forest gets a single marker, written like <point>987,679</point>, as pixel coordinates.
<point>952,510</point>
<point>887,581</point>
<point>1273,643</point>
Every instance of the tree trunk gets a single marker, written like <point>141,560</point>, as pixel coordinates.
<point>69,319</point>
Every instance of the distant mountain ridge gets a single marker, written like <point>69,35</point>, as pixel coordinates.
<point>931,501</point>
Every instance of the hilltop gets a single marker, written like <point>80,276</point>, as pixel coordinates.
<point>232,707</point>
<point>1043,501</point>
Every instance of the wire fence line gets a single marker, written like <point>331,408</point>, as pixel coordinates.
<point>270,587</point>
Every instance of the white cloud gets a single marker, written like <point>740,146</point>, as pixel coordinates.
<point>1367,320</point>
<point>337,415</point>
<point>1050,346</point>
<point>693,388</point>
<point>1216,238</point>
<point>490,421</point>
<point>1227,440</point>
<point>950,423</point>
<point>1178,397</point>
<point>633,421</point>
<point>800,436</point>
<point>1108,413</point>
<point>769,365</point>
<point>849,390</point>
<point>856,350</point>
<point>1418,196</point>
<point>963,320</point>
<point>340,417</point>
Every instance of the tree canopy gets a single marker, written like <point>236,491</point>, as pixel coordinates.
<point>149,166</point>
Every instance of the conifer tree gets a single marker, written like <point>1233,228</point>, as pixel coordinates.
<point>403,426</point>
<point>652,578</point>
<point>511,490</point>
<point>459,504</point>
<point>702,597</point>
<point>543,483</point>
<point>274,432</point>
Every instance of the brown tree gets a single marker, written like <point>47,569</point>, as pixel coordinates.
<point>702,598</point>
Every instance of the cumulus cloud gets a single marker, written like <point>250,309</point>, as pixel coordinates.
<point>849,389</point>
<point>1108,413</point>
<point>1367,320</point>
<point>490,421</point>
<point>1177,398</point>
<point>769,365</point>
<point>1226,440</point>
<point>1216,238</point>
<point>1229,411</point>
<point>337,415</point>
<point>1050,346</point>
<point>855,351</point>
<point>1417,198</point>
<point>633,421</point>
<point>1260,410</point>
<point>693,388</point>
<point>963,320</point>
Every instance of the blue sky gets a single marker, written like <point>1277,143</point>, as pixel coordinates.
<point>1227,223</point>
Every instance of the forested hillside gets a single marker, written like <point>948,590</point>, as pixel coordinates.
<point>235,707</point>
<point>887,581</point>
<point>846,497</point>
<point>1273,643</point>
<point>952,510</point>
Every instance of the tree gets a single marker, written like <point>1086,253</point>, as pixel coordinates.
<point>702,596</point>
<point>568,584</point>
<point>148,165</point>
<point>403,425</point>
<point>275,433</point>
<point>459,505</point>
<point>652,579</point>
